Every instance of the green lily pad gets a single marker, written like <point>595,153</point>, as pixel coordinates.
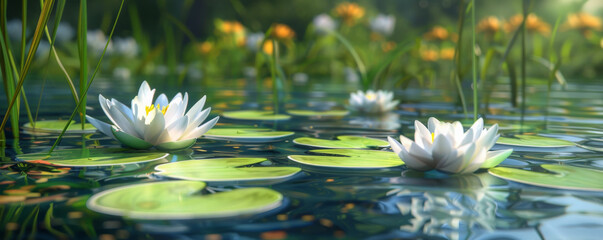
<point>350,158</point>
<point>56,126</point>
<point>173,200</point>
<point>343,142</point>
<point>208,163</point>
<point>534,141</point>
<point>318,114</point>
<point>255,115</point>
<point>93,157</point>
<point>223,169</point>
<point>247,135</point>
<point>563,176</point>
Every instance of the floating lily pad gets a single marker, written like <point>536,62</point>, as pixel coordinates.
<point>534,141</point>
<point>350,158</point>
<point>173,200</point>
<point>209,163</point>
<point>56,126</point>
<point>93,157</point>
<point>342,142</point>
<point>255,115</point>
<point>318,114</point>
<point>223,169</point>
<point>563,176</point>
<point>247,135</point>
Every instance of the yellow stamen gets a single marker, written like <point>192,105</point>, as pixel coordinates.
<point>371,96</point>
<point>432,137</point>
<point>148,109</point>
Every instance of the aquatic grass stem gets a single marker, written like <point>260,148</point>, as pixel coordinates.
<point>457,58</point>
<point>82,96</point>
<point>474,62</point>
<point>361,67</point>
<point>82,44</point>
<point>553,60</point>
<point>42,21</point>
<point>523,63</point>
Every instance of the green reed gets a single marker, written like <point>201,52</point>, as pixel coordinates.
<point>474,63</point>
<point>82,46</point>
<point>6,71</point>
<point>88,83</point>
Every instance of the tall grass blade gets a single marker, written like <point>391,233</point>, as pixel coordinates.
<point>23,32</point>
<point>361,67</point>
<point>458,76</point>
<point>43,19</point>
<point>523,63</point>
<point>82,46</point>
<point>474,62</point>
<point>82,96</point>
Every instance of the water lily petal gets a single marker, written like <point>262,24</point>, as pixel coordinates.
<point>197,120</point>
<point>196,108</point>
<point>477,127</point>
<point>103,127</point>
<point>116,116</point>
<point>432,123</point>
<point>414,159</point>
<point>197,132</point>
<point>489,137</point>
<point>162,100</point>
<point>478,159</point>
<point>422,136</point>
<point>396,146</point>
<point>126,111</point>
<point>442,147</point>
<point>177,128</point>
<point>145,94</point>
<point>155,127</point>
<point>493,158</point>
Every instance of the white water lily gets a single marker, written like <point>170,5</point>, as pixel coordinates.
<point>445,147</point>
<point>324,23</point>
<point>162,124</point>
<point>372,101</point>
<point>383,24</point>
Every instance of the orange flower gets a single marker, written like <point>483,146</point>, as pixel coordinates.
<point>436,33</point>
<point>489,25</point>
<point>388,46</point>
<point>447,53</point>
<point>268,47</point>
<point>429,55</point>
<point>350,12</point>
<point>282,32</point>
<point>584,22</point>
<point>533,24</point>
<point>205,47</point>
<point>230,27</point>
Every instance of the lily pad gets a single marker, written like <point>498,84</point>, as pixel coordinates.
<point>93,157</point>
<point>534,141</point>
<point>208,163</point>
<point>173,200</point>
<point>255,115</point>
<point>247,135</point>
<point>349,158</point>
<point>223,169</point>
<point>56,126</point>
<point>318,114</point>
<point>563,176</point>
<point>342,142</point>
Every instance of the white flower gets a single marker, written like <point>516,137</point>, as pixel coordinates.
<point>97,40</point>
<point>372,101</point>
<point>253,41</point>
<point>122,73</point>
<point>300,78</point>
<point>64,32</point>
<point>324,23</point>
<point>163,124</point>
<point>383,24</point>
<point>125,46</point>
<point>350,75</point>
<point>445,147</point>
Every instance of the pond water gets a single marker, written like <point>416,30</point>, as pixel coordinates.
<point>381,203</point>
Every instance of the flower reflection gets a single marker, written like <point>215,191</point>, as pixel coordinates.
<point>465,202</point>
